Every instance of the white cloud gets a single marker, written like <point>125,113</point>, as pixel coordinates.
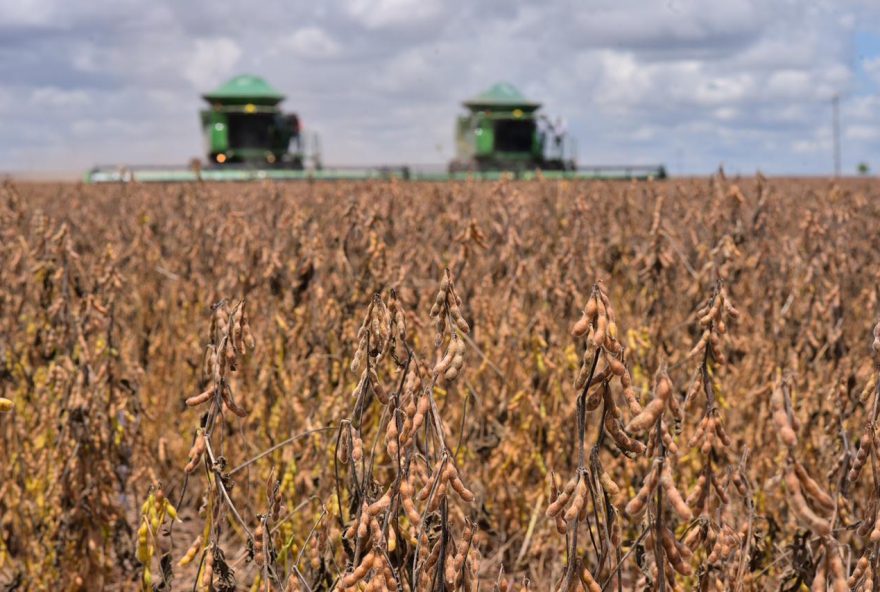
<point>116,127</point>
<point>211,60</point>
<point>28,13</point>
<point>53,97</point>
<point>6,101</point>
<point>862,132</point>
<point>812,146</point>
<point>311,42</point>
<point>872,68</point>
<point>378,14</point>
<point>665,27</point>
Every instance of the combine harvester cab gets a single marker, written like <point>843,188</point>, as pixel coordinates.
<point>244,126</point>
<point>503,131</point>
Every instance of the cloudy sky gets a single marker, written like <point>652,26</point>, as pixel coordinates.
<point>690,83</point>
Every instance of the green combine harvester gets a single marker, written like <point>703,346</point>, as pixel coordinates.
<point>248,138</point>
<point>244,126</point>
<point>503,132</point>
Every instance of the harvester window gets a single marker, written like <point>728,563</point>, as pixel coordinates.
<point>514,135</point>
<point>251,130</point>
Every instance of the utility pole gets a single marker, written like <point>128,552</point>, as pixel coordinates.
<point>835,115</point>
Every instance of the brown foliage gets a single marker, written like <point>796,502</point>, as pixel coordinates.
<point>336,386</point>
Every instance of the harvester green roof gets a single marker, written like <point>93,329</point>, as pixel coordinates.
<point>244,89</point>
<point>502,95</point>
